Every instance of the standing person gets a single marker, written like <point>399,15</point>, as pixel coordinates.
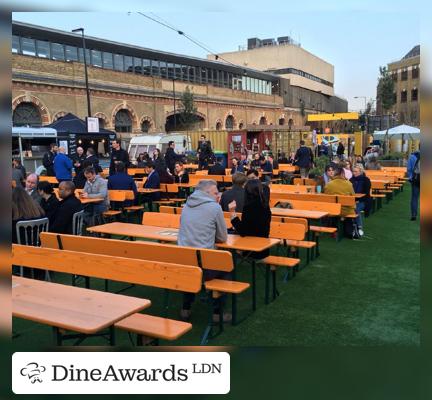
<point>340,151</point>
<point>171,157</point>
<point>244,161</point>
<point>413,171</point>
<point>236,166</point>
<point>304,159</point>
<point>256,214</point>
<point>49,202</point>
<point>92,159</point>
<point>62,166</point>
<point>142,160</point>
<point>18,171</point>
<point>78,160</point>
<point>236,193</point>
<point>69,205</point>
<point>31,187</point>
<point>95,187</point>
<point>361,184</point>
<point>202,224</point>
<point>118,154</point>
<point>204,151</point>
<point>48,159</point>
<point>180,174</point>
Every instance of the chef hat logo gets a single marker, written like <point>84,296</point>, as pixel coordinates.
<point>33,371</point>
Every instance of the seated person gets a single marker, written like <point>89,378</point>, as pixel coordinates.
<point>217,168</point>
<point>152,182</point>
<point>122,181</point>
<point>256,162</point>
<point>339,185</point>
<point>49,201</point>
<point>95,187</point>
<point>267,170</point>
<point>256,215</point>
<point>180,174</point>
<point>283,159</point>
<point>236,166</point>
<point>361,184</point>
<point>236,193</point>
<point>69,205</point>
<point>328,173</point>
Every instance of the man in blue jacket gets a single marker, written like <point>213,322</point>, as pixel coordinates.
<point>122,181</point>
<point>62,166</point>
<point>413,171</point>
<point>152,182</point>
<point>304,159</point>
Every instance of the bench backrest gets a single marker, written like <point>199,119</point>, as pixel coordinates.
<point>161,219</point>
<point>346,201</point>
<point>291,220</point>
<point>141,272</point>
<point>377,185</point>
<point>329,198</point>
<point>334,209</point>
<point>280,230</point>
<point>276,188</point>
<point>304,181</point>
<point>219,260</point>
<point>288,167</point>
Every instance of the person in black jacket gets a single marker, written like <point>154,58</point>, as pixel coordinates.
<point>304,159</point>
<point>217,168</point>
<point>117,154</point>
<point>256,215</point>
<point>204,152</point>
<point>69,205</point>
<point>171,157</point>
<point>48,159</point>
<point>236,193</point>
<point>78,160</point>
<point>361,184</point>
<point>340,151</point>
<point>49,201</point>
<point>180,174</point>
<point>92,160</point>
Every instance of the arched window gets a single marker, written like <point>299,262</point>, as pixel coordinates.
<point>101,123</point>
<point>281,121</point>
<point>263,121</point>
<point>123,121</point>
<point>218,126</point>
<point>290,123</point>
<point>241,125</point>
<point>26,114</point>
<point>229,122</point>
<point>145,126</point>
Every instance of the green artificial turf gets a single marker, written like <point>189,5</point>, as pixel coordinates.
<point>357,293</point>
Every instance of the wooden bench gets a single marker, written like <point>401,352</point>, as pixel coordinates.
<point>210,259</point>
<point>120,197</point>
<point>170,276</point>
<point>329,198</point>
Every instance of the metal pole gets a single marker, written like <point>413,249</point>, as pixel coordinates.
<point>85,70</point>
<point>21,150</point>
<point>175,117</point>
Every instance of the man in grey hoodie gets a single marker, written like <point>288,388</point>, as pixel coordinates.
<point>202,224</point>
<point>95,187</point>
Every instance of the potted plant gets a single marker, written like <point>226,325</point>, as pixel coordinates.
<point>317,172</point>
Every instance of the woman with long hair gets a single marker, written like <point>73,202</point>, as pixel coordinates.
<point>256,214</point>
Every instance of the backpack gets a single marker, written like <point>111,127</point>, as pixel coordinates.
<point>283,204</point>
<point>350,229</point>
<point>416,173</point>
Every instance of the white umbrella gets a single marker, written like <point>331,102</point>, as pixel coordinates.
<point>398,132</point>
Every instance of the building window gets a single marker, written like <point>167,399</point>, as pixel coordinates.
<point>28,47</point>
<point>415,72</point>
<point>123,121</point>
<point>16,48</point>
<point>107,60</point>
<point>281,121</point>
<point>395,76</point>
<point>170,67</point>
<point>204,75</point>
<point>178,71</point>
<point>145,126</point>
<point>118,62</point>
<point>96,58</point>
<point>137,62</point>
<point>404,96</point>
<point>146,67</point>
<point>414,94</point>
<point>71,53</point>
<point>191,74</point>
<point>241,125</point>
<point>404,75</point>
<point>263,121</point>
<point>43,49</point>
<point>163,69</point>
<point>155,68</point>
<point>218,126</point>
<point>57,51</point>
<point>229,122</point>
<point>128,63</point>
<point>26,114</point>
<point>81,55</point>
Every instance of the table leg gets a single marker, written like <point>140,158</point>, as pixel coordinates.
<point>253,285</point>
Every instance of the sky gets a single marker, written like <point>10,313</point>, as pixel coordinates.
<point>356,37</point>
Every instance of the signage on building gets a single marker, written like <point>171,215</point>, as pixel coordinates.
<point>92,124</point>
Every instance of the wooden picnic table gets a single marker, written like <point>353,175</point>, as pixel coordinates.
<point>90,200</point>
<point>289,212</point>
<point>147,190</point>
<point>136,231</point>
<point>70,307</point>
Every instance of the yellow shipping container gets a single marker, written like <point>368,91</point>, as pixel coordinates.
<point>219,139</point>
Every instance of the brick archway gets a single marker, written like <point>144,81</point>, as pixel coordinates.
<point>148,119</point>
<point>58,115</point>
<point>124,106</point>
<point>103,117</point>
<point>230,114</point>
<point>28,98</point>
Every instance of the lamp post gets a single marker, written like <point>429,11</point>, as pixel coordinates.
<point>85,70</point>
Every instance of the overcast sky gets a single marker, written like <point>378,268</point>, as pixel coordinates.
<point>356,37</point>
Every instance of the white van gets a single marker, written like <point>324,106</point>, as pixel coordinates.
<point>147,143</point>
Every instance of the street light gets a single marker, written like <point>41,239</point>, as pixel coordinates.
<point>85,70</point>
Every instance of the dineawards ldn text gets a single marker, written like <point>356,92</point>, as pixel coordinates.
<point>113,374</point>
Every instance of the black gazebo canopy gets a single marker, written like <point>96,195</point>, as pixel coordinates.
<point>70,123</point>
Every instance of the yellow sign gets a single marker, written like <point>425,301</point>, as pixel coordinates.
<point>332,117</point>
